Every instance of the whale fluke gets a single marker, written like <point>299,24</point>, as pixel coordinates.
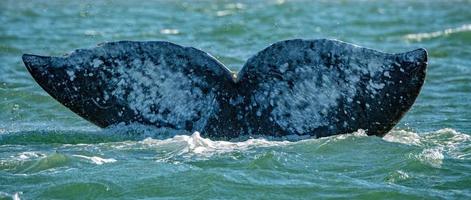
<point>293,87</point>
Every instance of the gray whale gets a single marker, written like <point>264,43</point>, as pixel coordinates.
<point>294,87</point>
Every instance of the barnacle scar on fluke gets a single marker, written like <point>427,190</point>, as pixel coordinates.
<point>303,87</point>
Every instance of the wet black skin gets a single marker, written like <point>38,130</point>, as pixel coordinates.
<point>377,113</point>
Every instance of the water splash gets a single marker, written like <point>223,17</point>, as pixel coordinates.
<point>403,136</point>
<point>433,156</point>
<point>397,159</point>
<point>15,196</point>
<point>436,145</point>
<point>97,160</point>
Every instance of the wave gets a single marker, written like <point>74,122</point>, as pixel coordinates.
<point>15,196</point>
<point>364,162</point>
<point>96,160</point>
<point>435,144</point>
<point>173,144</point>
<point>423,36</point>
<point>149,134</point>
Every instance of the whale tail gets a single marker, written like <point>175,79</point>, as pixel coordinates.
<point>304,87</point>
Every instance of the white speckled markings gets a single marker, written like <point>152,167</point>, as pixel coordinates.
<point>325,87</point>
<point>156,83</point>
<point>162,95</point>
<point>301,87</point>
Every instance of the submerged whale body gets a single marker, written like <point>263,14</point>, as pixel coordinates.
<point>293,87</point>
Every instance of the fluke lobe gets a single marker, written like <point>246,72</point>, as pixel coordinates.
<point>293,87</point>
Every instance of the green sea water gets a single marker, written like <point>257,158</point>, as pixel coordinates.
<point>48,152</point>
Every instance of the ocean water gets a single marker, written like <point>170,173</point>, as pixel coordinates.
<point>48,152</point>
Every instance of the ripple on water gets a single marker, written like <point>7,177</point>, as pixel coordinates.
<point>443,33</point>
<point>402,158</point>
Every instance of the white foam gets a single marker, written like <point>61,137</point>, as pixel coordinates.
<point>15,196</point>
<point>198,145</point>
<point>97,160</point>
<point>435,144</point>
<point>358,133</point>
<point>404,137</point>
<point>29,155</point>
<point>222,13</point>
<point>92,33</point>
<point>450,140</point>
<point>398,175</point>
<point>444,137</point>
<point>195,146</point>
<point>169,31</point>
<point>421,36</point>
<point>433,157</point>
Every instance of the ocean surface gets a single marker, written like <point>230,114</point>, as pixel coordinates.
<point>48,152</point>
